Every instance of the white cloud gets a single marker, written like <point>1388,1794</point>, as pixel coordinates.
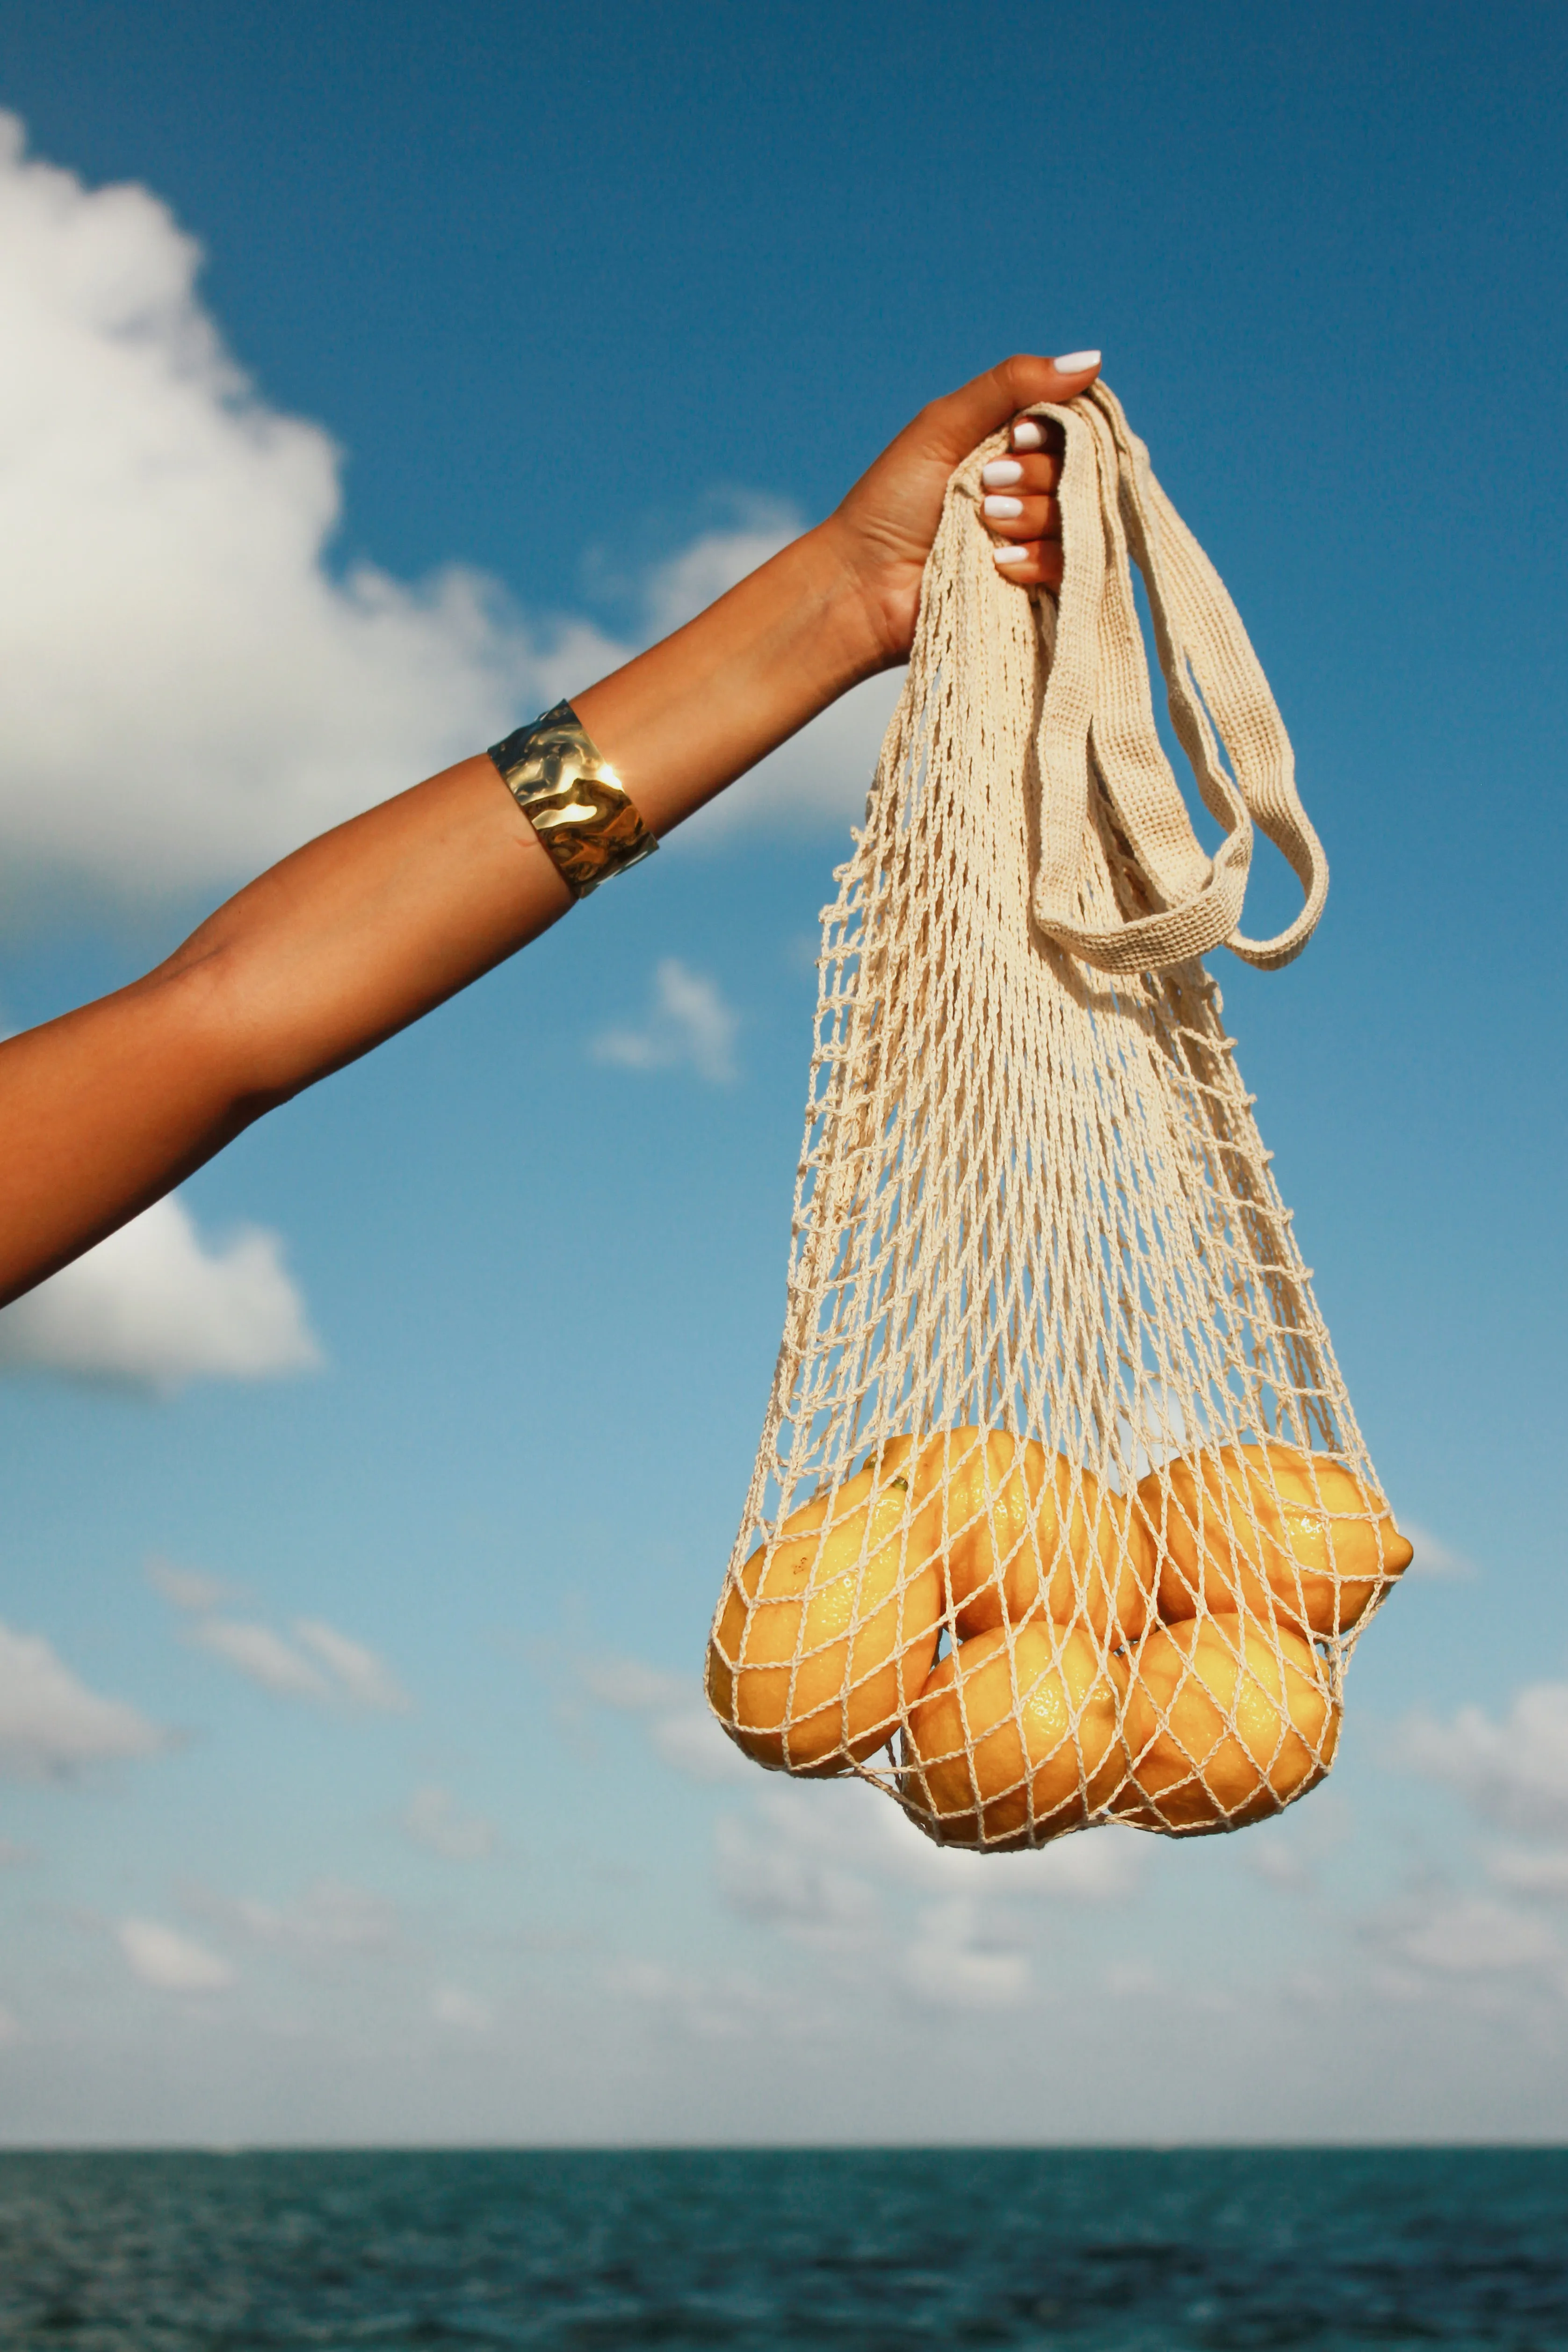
<point>1524,1871</point>
<point>813,1856</point>
<point>681,1726</point>
<point>689,1027</point>
<point>957,1960</point>
<point>358,1675</point>
<point>1282,1864</point>
<point>435,1822</point>
<point>189,1588</point>
<point>693,1743</point>
<point>1102,1867</point>
<point>1474,1936</point>
<point>262,1656</point>
<point>167,593</point>
<point>163,1957</point>
<point>1097,1866</point>
<point>156,1305</point>
<point>866,1831</point>
<point>832,1865</point>
<point>51,1724</point>
<point>10,2028</point>
<point>728,2007</point>
<point>792,1881</point>
<point>13,1853</point>
<point>630,1685</point>
<point>320,1664</point>
<point>329,1917</point>
<point>1514,1772</point>
<point>1289,1854</point>
<point>823,1873</point>
<point>1433,1556</point>
<point>451,2005</point>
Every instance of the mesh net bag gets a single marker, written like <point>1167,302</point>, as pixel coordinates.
<point>1060,1514</point>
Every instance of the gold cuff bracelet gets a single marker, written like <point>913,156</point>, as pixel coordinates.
<point>574,802</point>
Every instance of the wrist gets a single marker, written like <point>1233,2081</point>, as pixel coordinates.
<point>863,611</point>
<point>685,719</point>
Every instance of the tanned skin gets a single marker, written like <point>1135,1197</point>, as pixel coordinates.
<point>360,932</point>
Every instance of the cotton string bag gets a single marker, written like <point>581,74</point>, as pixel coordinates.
<point>1060,1513</point>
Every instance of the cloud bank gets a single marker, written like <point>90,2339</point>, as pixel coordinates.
<point>156,1306</point>
<point>187,686</point>
<point>320,1664</point>
<point>434,1821</point>
<point>169,1962</point>
<point>835,1869</point>
<point>165,595</point>
<point>51,1725</point>
<point>1514,1772</point>
<point>329,1917</point>
<point>314,1661</point>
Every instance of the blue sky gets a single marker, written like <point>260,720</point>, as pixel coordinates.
<point>355,1575</point>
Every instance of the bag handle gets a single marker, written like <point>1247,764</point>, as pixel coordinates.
<point>1096,721</point>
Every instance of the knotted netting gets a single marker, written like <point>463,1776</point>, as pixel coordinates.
<point>1060,1513</point>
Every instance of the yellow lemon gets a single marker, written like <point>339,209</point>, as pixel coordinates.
<point>1015,1737</point>
<point>1275,1523</point>
<point>821,1646</point>
<point>1226,1719</point>
<point>1026,1531</point>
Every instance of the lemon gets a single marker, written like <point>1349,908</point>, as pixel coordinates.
<point>1242,1525</point>
<point>1026,1531</point>
<point>1015,1737</point>
<point>1226,1719</point>
<point>821,1646</point>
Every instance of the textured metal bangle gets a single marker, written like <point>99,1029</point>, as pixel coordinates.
<point>576,802</point>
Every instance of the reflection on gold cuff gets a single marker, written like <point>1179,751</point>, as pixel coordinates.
<point>575,803</point>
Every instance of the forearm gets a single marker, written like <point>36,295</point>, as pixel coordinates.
<point>686,718</point>
<point>344,942</point>
<point>364,930</point>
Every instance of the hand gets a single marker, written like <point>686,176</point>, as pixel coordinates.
<point>885,527</point>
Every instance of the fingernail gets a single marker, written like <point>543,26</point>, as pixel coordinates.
<point>1030,432</point>
<point>1006,555</point>
<point>1076,362</point>
<point>1000,472</point>
<point>1002,510</point>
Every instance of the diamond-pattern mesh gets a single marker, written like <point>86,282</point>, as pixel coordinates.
<point>1060,1513</point>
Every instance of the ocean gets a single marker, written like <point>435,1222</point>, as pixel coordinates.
<point>1089,2250</point>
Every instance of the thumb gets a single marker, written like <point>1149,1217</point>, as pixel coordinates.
<point>953,426</point>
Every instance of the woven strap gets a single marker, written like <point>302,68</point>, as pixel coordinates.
<point>1096,721</point>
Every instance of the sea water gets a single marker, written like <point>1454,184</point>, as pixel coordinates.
<point>1092,2250</point>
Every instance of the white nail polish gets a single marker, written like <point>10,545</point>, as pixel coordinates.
<point>1028,434</point>
<point>1000,473</point>
<point>1002,510</point>
<point>1006,555</point>
<point>1074,362</point>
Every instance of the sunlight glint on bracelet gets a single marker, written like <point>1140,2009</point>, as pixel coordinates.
<point>574,801</point>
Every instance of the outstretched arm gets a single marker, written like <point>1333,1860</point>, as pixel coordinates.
<point>362,930</point>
